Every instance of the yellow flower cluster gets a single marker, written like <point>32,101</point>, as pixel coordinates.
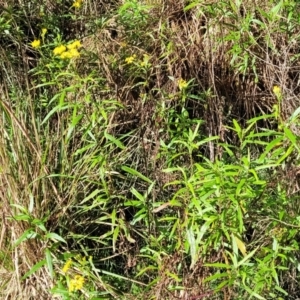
<point>67,266</point>
<point>76,283</point>
<point>182,84</point>
<point>277,91</point>
<point>75,45</point>
<point>36,44</point>
<point>77,3</point>
<point>69,51</point>
<point>129,60</point>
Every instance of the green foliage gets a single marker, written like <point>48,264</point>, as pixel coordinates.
<point>149,150</point>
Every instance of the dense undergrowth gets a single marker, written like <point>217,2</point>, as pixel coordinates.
<point>149,149</point>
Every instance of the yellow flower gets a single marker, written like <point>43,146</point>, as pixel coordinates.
<point>77,4</point>
<point>66,55</point>
<point>129,60</point>
<point>36,43</point>
<point>74,53</point>
<point>182,84</point>
<point>76,283</point>
<point>67,266</point>
<point>59,50</point>
<point>44,31</point>
<point>277,91</point>
<point>70,54</point>
<point>76,44</point>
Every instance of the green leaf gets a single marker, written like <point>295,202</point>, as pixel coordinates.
<point>240,186</point>
<point>291,136</point>
<point>227,148</point>
<point>247,257</point>
<point>54,110</point>
<point>49,262</point>
<point>286,154</point>
<point>262,117</point>
<point>39,223</point>
<point>238,128</point>
<point>275,143</point>
<point>191,5</point>
<point>192,244</point>
<point>55,237</point>
<point>137,195</point>
<point>278,288</point>
<point>276,8</point>
<point>35,268</point>
<point>209,139</point>
<point>23,209</point>
<point>111,138</point>
<point>252,293</point>
<point>90,196</point>
<point>218,265</point>
<point>28,234</point>
<point>216,276</point>
<point>22,217</point>
<point>136,173</point>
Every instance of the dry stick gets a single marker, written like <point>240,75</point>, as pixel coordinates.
<point>3,230</point>
<point>23,130</point>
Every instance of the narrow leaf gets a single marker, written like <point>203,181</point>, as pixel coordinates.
<point>55,237</point>
<point>35,268</point>
<point>241,245</point>
<point>28,234</point>
<point>136,173</point>
<point>246,257</point>
<point>192,244</point>
<point>49,262</point>
<point>117,142</point>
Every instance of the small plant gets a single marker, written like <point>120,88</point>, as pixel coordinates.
<point>73,282</point>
